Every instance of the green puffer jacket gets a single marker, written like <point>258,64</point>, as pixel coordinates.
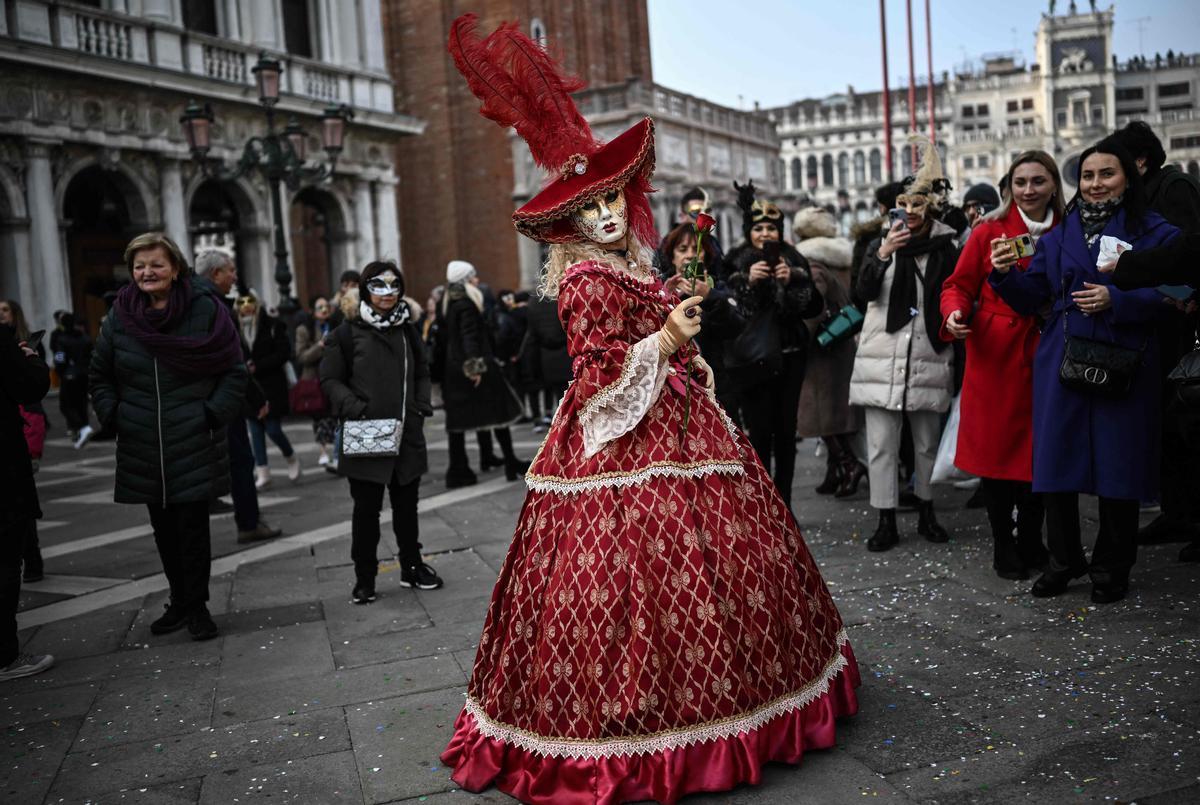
<point>171,437</point>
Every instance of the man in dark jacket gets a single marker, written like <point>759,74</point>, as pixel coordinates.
<point>1175,196</point>
<point>216,273</point>
<point>24,380</point>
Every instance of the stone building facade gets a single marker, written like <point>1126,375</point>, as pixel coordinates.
<point>457,197</point>
<point>1075,93</point>
<point>92,152</point>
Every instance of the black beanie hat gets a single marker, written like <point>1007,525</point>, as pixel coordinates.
<point>984,194</point>
<point>886,194</point>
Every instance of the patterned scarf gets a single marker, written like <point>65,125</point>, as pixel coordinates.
<point>1095,215</point>
<point>383,321</point>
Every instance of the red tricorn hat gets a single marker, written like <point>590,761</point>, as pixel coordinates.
<point>521,86</point>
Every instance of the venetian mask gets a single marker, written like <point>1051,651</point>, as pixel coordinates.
<point>385,284</point>
<point>913,203</point>
<point>603,219</point>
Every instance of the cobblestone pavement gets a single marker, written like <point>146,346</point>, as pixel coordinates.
<point>972,691</point>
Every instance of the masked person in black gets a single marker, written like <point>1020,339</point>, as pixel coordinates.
<point>774,291</point>
<point>374,368</point>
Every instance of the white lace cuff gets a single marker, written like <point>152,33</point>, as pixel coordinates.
<point>617,409</point>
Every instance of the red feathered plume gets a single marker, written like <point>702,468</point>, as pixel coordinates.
<point>519,85</point>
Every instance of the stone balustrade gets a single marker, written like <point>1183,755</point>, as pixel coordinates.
<point>119,37</point>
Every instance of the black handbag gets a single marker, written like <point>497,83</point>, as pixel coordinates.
<point>756,355</point>
<point>1097,367</point>
<point>1185,380</point>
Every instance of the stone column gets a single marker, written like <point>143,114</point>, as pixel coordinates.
<point>389,226</point>
<point>49,263</point>
<point>366,249</point>
<point>174,213</point>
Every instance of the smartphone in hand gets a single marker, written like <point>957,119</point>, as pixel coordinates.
<point>35,339</point>
<point>771,250</point>
<point>897,215</point>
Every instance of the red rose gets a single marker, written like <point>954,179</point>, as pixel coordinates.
<point>705,222</point>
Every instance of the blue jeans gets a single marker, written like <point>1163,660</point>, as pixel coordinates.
<point>259,430</point>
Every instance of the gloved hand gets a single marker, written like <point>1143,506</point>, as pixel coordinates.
<point>680,328</point>
<point>710,381</point>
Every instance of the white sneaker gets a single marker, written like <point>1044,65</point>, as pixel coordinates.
<point>323,460</point>
<point>85,435</point>
<point>26,665</point>
<point>293,464</point>
<point>262,477</point>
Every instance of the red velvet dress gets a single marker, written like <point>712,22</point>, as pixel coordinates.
<point>658,627</point>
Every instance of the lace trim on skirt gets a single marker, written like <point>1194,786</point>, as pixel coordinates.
<point>672,739</point>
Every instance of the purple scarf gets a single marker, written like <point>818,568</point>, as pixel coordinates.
<point>211,353</point>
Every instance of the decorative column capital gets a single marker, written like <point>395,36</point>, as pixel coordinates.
<point>38,148</point>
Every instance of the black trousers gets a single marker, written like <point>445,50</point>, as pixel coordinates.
<point>457,444</point>
<point>241,477</point>
<point>1115,550</point>
<point>73,402</point>
<point>13,537</point>
<point>769,414</point>
<point>182,538</point>
<point>1001,497</point>
<point>364,525</point>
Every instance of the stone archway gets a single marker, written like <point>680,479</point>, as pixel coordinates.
<point>225,215</point>
<point>101,212</point>
<point>318,228</point>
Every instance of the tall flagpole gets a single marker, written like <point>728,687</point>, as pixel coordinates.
<point>887,98</point>
<point>929,56</point>
<point>912,87</point>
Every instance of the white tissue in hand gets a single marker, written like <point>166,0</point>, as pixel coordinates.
<point>1109,251</point>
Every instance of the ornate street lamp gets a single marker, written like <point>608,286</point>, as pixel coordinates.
<point>278,156</point>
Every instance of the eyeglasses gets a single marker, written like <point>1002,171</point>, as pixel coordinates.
<point>378,286</point>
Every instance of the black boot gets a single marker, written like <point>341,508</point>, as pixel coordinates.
<point>886,536</point>
<point>853,473</point>
<point>927,524</point>
<point>1006,559</point>
<point>487,456</point>
<point>514,468</point>
<point>833,477</point>
<point>457,477</point>
<point>833,466</point>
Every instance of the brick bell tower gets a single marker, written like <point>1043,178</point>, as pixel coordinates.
<point>455,196</point>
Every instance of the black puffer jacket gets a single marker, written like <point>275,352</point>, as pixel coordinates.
<point>379,374</point>
<point>171,438</point>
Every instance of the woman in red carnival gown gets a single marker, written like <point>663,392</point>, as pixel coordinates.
<point>658,627</point>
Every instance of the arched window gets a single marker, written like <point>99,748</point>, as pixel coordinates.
<point>797,178</point>
<point>843,170</point>
<point>811,171</point>
<point>860,168</point>
<point>297,28</point>
<point>827,170</point>
<point>876,165</point>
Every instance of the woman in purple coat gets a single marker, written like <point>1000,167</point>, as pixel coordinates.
<point>1085,442</point>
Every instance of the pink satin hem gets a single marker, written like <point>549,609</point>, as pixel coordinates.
<point>479,761</point>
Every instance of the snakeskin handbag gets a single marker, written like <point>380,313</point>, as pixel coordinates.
<point>371,437</point>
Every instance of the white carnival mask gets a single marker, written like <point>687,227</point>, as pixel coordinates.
<point>603,219</point>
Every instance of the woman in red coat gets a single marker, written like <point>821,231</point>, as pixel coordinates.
<point>995,434</point>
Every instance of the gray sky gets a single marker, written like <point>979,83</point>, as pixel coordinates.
<point>778,51</point>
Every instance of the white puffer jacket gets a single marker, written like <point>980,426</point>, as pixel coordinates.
<point>900,370</point>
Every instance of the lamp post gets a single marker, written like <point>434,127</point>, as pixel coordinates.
<point>277,155</point>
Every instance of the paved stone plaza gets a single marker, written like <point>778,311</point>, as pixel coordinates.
<point>972,690</point>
